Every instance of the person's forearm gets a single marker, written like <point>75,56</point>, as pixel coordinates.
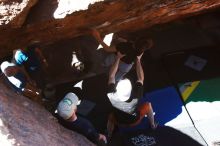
<point>22,69</point>
<point>41,56</point>
<point>105,46</point>
<point>97,36</point>
<point>139,71</point>
<point>113,70</point>
<point>93,136</point>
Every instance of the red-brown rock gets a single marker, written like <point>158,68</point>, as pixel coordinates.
<point>107,16</point>
<point>14,12</point>
<point>25,123</point>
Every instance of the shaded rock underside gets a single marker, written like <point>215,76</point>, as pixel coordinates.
<point>107,16</point>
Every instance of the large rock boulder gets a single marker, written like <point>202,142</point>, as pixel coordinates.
<point>14,12</point>
<point>106,16</point>
<point>25,123</point>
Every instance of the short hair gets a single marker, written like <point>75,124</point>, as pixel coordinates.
<point>33,46</point>
<point>143,44</point>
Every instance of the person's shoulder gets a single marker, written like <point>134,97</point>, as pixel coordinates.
<point>139,84</point>
<point>82,121</point>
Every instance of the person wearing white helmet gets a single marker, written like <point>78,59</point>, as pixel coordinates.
<point>125,101</point>
<point>67,115</point>
<point>20,80</point>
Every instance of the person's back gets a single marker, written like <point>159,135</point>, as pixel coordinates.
<point>125,101</point>
<point>82,126</point>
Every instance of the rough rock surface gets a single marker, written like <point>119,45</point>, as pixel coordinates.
<point>107,16</point>
<point>14,12</point>
<point>25,123</point>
